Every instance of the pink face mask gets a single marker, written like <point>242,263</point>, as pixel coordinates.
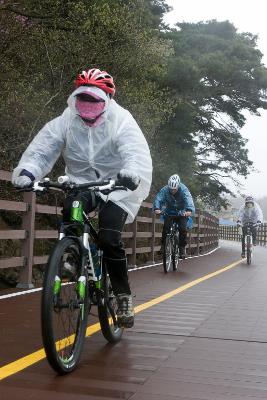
<point>90,108</point>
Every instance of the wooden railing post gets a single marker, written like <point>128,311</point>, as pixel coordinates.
<point>198,232</point>
<point>133,242</point>
<point>153,228</point>
<point>28,223</point>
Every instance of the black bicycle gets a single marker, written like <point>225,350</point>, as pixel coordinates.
<point>249,241</point>
<point>171,249</point>
<point>75,279</point>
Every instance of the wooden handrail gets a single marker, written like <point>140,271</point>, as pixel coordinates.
<point>202,238</point>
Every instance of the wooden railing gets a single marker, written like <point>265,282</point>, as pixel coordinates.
<point>142,237</point>
<point>227,232</point>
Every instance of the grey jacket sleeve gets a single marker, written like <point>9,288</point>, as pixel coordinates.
<point>42,153</point>
<point>134,152</point>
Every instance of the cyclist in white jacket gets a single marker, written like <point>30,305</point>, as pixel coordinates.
<point>98,140</point>
<point>250,212</point>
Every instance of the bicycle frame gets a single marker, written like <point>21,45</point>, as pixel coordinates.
<point>88,235</point>
<point>248,242</point>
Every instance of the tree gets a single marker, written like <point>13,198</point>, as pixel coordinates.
<point>214,75</point>
<point>44,45</point>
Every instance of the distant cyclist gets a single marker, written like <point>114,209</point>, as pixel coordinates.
<point>250,212</point>
<point>179,206</point>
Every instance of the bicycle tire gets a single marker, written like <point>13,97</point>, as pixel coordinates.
<point>107,311</point>
<point>66,303</point>
<point>249,255</point>
<point>175,253</point>
<point>167,254</point>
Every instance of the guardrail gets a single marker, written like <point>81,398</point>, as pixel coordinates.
<point>227,232</point>
<point>142,237</point>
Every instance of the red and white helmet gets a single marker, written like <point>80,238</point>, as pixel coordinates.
<point>174,181</point>
<point>95,77</point>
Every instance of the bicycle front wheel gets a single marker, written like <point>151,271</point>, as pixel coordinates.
<point>167,254</point>
<point>64,308</point>
<point>107,311</point>
<point>249,252</point>
<point>175,253</point>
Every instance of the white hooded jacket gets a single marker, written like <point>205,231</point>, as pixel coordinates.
<point>95,153</point>
<point>253,214</point>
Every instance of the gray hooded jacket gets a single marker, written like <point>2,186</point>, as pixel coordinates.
<point>253,214</point>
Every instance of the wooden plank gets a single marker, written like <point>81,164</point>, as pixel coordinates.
<point>144,219</point>
<point>46,234</point>
<point>157,248</point>
<point>146,205</point>
<point>13,205</point>
<point>144,234</point>
<point>44,209</point>
<point>11,262</point>
<point>12,234</point>
<point>127,235</point>
<point>5,175</point>
<point>27,250</point>
<point>141,250</point>
<point>38,260</point>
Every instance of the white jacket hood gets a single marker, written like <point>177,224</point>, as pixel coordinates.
<point>89,89</point>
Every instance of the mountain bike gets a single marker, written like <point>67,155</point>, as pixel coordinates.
<point>171,249</point>
<point>249,241</point>
<point>75,279</point>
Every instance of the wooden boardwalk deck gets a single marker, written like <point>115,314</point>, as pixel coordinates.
<point>207,342</point>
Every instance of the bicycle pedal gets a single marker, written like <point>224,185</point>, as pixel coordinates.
<point>124,324</point>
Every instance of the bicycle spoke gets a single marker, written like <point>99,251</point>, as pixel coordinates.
<point>107,312</point>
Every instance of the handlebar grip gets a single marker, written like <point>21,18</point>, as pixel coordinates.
<point>63,179</point>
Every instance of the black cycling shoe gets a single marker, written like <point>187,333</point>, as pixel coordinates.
<point>125,312</point>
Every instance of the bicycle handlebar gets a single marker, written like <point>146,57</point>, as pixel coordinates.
<point>249,224</point>
<point>179,214</point>
<point>98,186</point>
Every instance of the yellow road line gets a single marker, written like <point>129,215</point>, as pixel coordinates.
<point>24,362</point>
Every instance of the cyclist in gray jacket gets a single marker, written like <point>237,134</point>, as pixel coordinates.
<point>250,212</point>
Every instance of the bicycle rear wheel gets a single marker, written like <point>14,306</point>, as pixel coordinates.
<point>107,311</point>
<point>64,308</point>
<point>249,252</point>
<point>167,254</point>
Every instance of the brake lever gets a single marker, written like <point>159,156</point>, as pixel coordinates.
<point>108,191</point>
<point>120,188</point>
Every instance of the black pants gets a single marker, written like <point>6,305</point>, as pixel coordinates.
<point>111,221</point>
<point>253,230</point>
<point>182,222</point>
